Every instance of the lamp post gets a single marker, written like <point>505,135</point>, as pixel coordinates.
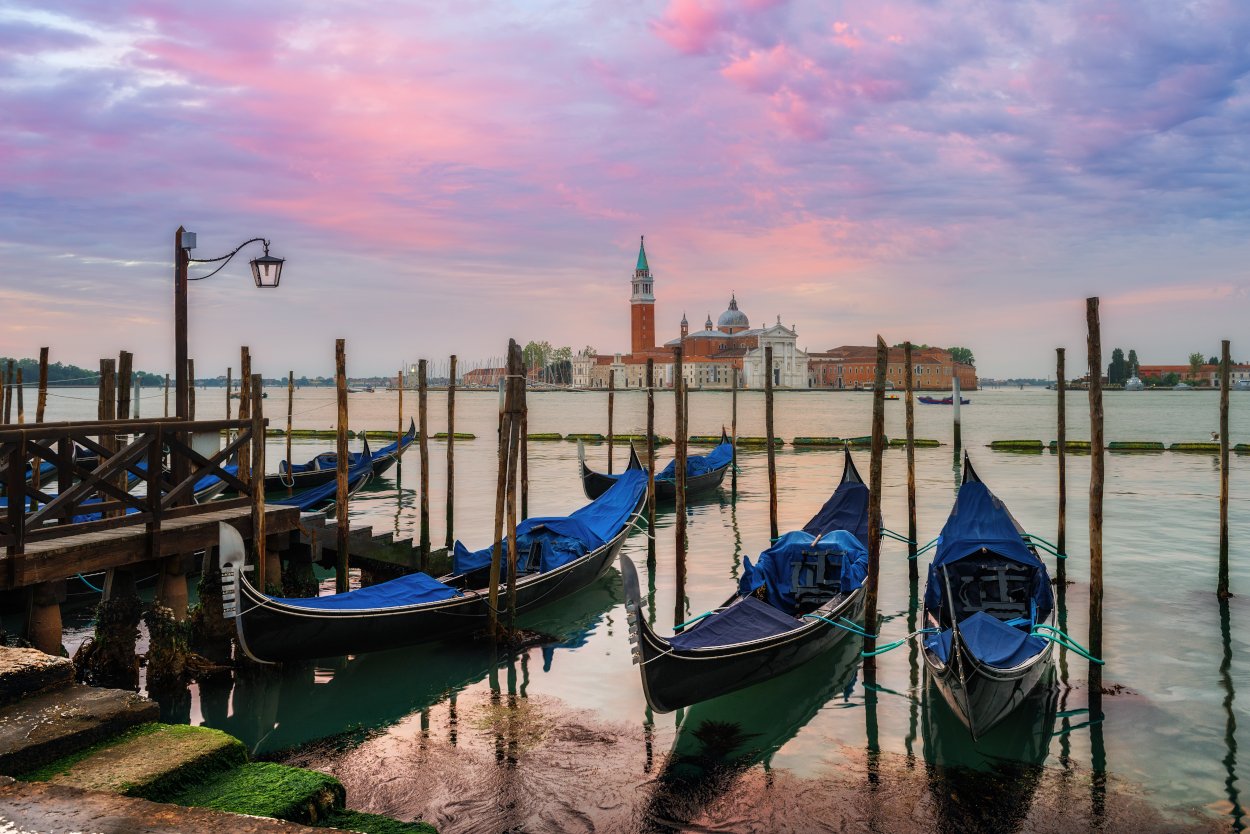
<point>266,272</point>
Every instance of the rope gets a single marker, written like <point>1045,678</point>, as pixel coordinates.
<point>926,548</point>
<point>1065,641</point>
<point>885,533</point>
<point>845,624</point>
<point>693,620</point>
<point>1038,541</point>
<point>897,643</point>
<point>86,582</point>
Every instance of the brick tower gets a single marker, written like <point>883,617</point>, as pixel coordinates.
<point>642,305</point>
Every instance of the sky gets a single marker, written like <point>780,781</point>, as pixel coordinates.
<point>443,176</point>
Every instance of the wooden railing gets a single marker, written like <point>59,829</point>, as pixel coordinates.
<point>119,456</point>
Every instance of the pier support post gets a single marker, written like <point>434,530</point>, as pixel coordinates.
<point>1222,584</point>
<point>1061,448</point>
<point>516,383</point>
<point>874,508</point>
<point>229,388</point>
<point>21,400</point>
<point>909,406</point>
<point>451,453</point>
<point>43,626</point>
<point>525,444</point>
<point>772,452</point>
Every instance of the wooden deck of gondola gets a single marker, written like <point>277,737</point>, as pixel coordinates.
<point>54,558</point>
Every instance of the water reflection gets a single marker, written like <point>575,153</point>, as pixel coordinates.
<point>1237,813</point>
<point>300,702</point>
<point>720,739</point>
<point>987,784</point>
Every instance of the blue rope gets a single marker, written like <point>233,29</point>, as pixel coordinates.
<point>1065,641</point>
<point>845,624</point>
<point>84,581</point>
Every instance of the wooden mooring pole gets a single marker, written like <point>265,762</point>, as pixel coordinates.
<point>680,438</point>
<point>166,395</point>
<point>451,452</point>
<point>342,581</point>
<point>245,409</point>
<point>21,402</point>
<point>501,491</point>
<point>1222,590</point>
<point>290,412</point>
<point>651,463</point>
<point>874,507</point>
<point>8,393</point>
<point>733,422</point>
<point>1096,472</point>
<point>1061,449</point>
<point>525,445</point>
<point>423,439</point>
<point>611,409</point>
<point>268,567</point>
<point>191,389</point>
<point>768,439</point>
<point>956,396</point>
<point>399,421</point>
<point>516,382</point>
<point>42,402</point>
<point>229,388</point>
<point>909,407</point>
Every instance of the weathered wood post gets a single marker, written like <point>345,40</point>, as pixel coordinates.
<point>451,452</point>
<point>768,439</point>
<point>42,403</point>
<point>399,421</point>
<point>341,580</point>
<point>166,395</point>
<point>680,439</point>
<point>733,409</point>
<point>525,444</point>
<point>191,389</point>
<point>423,431</point>
<point>245,411</point>
<point>1096,470</point>
<point>268,565</point>
<point>229,388</point>
<point>1061,448</point>
<point>125,362</point>
<point>611,403</point>
<point>290,413</point>
<point>138,393</point>
<point>874,507</point>
<point>956,397</point>
<point>21,402</point>
<point>8,393</point>
<point>1222,586</point>
<point>501,490</point>
<point>516,380</point>
<point>651,462</point>
<point>909,406</point>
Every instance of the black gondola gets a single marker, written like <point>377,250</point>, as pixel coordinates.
<point>558,557</point>
<point>813,583</point>
<point>323,468</point>
<point>986,658</point>
<point>703,472</point>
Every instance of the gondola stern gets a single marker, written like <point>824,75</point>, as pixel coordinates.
<point>232,559</point>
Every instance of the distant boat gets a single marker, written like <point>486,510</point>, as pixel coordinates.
<point>264,395</point>
<point>1181,386</point>
<point>366,389</point>
<point>1134,384</point>
<point>1241,385</point>
<point>944,401</point>
<point>891,396</point>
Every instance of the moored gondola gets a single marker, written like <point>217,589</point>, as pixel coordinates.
<point>322,468</point>
<point>703,472</point>
<point>988,592</point>
<point>803,597</point>
<point>558,556</point>
<point>943,401</point>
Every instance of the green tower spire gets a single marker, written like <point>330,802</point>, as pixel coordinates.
<point>642,255</point>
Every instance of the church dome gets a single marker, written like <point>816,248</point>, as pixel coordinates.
<point>732,319</point>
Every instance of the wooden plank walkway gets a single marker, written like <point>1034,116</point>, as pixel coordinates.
<point>51,559</point>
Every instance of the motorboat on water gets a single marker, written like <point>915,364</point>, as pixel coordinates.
<point>1134,384</point>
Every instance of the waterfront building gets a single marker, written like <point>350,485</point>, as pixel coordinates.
<point>852,367</point>
<point>1208,374</point>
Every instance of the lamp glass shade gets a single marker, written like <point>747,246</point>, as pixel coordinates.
<point>267,270</point>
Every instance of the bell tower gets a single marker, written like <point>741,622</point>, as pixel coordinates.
<point>642,305</point>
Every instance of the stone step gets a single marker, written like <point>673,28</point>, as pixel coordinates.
<point>45,727</point>
<point>153,761</point>
<point>266,789</point>
<point>25,672</point>
<point>60,809</point>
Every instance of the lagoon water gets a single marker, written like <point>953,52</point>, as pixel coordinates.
<point>558,737</point>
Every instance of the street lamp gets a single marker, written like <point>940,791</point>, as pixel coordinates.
<point>266,271</point>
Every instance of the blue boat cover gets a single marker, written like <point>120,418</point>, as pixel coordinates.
<point>212,480</point>
<point>412,589</point>
<point>316,496</point>
<point>846,509</point>
<point>794,557</point>
<point>990,640</point>
<point>565,538</point>
<point>746,619</point>
<point>980,520</point>
<point>696,465</point>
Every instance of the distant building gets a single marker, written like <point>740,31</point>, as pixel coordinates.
<point>855,367</point>
<point>483,377</point>
<point>1207,374</point>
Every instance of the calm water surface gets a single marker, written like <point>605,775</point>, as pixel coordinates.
<point>559,737</point>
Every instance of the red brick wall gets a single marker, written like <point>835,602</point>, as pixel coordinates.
<point>642,327</point>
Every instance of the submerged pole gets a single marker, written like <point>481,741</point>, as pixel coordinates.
<point>909,406</point>
<point>423,432</point>
<point>1096,471</point>
<point>451,452</point>
<point>874,506</point>
<point>341,580</point>
<point>772,452</point>
<point>679,403</point>
<point>651,461</point>
<point>1222,585</point>
<point>611,404</point>
<point>1061,448</point>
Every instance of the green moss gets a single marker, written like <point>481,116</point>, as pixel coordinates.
<point>1078,447</point>
<point>379,434</point>
<point>1194,447</point>
<point>375,824</point>
<point>817,441</point>
<point>918,442</point>
<point>1242,448</point>
<point>759,441</point>
<point>594,438</point>
<point>1016,445</point>
<point>702,439</point>
<point>43,774</point>
<point>1135,446</point>
<point>550,435</point>
<point>265,789</point>
<point>460,435</point>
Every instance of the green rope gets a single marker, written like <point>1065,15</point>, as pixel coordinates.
<point>84,581</point>
<point>897,643</point>
<point>1038,541</point>
<point>845,624</point>
<point>925,549</point>
<point>693,620</point>
<point>890,534</point>
<point>1065,641</point>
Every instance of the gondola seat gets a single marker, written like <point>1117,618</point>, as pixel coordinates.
<point>745,620</point>
<point>1000,588</point>
<point>990,640</point>
<point>801,572</point>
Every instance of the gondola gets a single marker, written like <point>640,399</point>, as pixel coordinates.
<point>558,557</point>
<point>323,468</point>
<point>985,659</point>
<point>324,495</point>
<point>811,583</point>
<point>944,401</point>
<point>703,472</point>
